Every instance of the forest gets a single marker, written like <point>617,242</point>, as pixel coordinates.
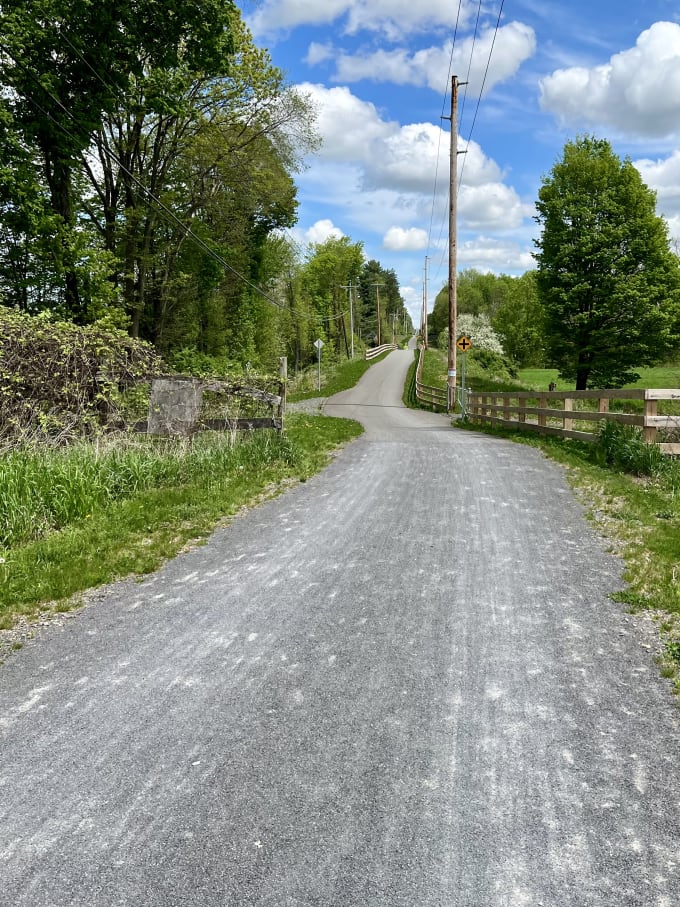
<point>147,180</point>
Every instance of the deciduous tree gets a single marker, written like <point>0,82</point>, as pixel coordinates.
<point>608,282</point>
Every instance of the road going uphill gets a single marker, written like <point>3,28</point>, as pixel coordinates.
<point>401,683</point>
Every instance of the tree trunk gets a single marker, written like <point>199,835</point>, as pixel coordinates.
<point>58,174</point>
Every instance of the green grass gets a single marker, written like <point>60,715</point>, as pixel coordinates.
<point>659,376</point>
<point>106,537</point>
<point>334,378</point>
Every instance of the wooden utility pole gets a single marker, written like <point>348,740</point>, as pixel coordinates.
<point>377,302</point>
<point>424,332</point>
<point>349,288</point>
<point>453,213</point>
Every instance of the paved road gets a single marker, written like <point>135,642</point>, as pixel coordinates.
<point>402,683</point>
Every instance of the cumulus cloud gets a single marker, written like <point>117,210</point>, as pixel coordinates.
<point>513,44</point>
<point>491,206</point>
<point>389,17</point>
<point>347,124</point>
<point>486,254</point>
<point>636,92</point>
<point>664,177</point>
<point>321,231</point>
<point>398,239</point>
<point>387,171</point>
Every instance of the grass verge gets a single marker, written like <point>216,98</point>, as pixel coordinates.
<point>133,535</point>
<point>334,378</point>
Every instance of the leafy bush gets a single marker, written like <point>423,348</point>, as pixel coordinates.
<point>58,379</point>
<point>623,447</point>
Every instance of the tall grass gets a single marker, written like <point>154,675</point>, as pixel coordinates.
<point>45,490</point>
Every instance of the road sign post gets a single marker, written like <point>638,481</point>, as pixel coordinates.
<point>464,344</point>
<point>319,345</point>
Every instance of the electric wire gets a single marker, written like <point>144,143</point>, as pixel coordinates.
<point>479,99</point>
<point>481,90</point>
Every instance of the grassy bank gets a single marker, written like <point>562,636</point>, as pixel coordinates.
<point>75,519</point>
<point>335,377</point>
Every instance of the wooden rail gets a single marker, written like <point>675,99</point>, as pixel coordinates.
<point>558,412</point>
<point>425,393</point>
<point>378,350</point>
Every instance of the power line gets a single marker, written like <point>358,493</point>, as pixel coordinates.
<point>481,90</point>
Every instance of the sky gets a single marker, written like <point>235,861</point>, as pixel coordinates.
<point>539,73</point>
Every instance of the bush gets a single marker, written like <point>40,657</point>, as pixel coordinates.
<point>58,379</point>
<point>623,447</point>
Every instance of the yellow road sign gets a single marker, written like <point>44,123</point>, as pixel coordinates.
<point>463,343</point>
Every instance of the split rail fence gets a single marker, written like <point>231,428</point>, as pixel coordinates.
<point>577,414</point>
<point>376,351</point>
<point>425,393</point>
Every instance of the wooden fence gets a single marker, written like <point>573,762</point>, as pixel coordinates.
<point>378,350</point>
<point>577,414</point>
<point>425,393</point>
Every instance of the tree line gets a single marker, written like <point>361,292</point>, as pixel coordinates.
<point>148,155</point>
<point>605,295</point>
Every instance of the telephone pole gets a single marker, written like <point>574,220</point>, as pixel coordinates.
<point>349,287</point>
<point>424,331</point>
<point>453,214</point>
<point>377,302</point>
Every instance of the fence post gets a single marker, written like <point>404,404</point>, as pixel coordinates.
<point>649,431</point>
<point>542,404</point>
<point>283,375</point>
<point>568,424</point>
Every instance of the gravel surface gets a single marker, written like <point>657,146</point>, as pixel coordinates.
<point>401,683</point>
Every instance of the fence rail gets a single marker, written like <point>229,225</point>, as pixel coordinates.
<point>576,414</point>
<point>379,350</point>
<point>425,393</point>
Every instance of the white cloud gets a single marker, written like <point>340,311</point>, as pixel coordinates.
<point>384,173</point>
<point>491,206</point>
<point>664,177</point>
<point>347,125</point>
<point>636,92</point>
<point>399,240</point>
<point>514,43</point>
<point>319,53</point>
<point>499,257</point>
<point>389,17</point>
<point>321,231</point>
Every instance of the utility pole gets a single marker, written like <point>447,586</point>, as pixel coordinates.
<point>424,331</point>
<point>453,214</point>
<point>349,287</point>
<point>377,302</point>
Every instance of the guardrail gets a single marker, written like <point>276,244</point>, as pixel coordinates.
<point>557,412</point>
<point>378,350</point>
<point>425,393</point>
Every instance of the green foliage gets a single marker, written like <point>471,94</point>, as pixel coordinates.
<point>478,328</point>
<point>336,377</point>
<point>609,284</point>
<point>180,492</point>
<point>57,379</point>
<point>623,447</point>
<point>509,304</point>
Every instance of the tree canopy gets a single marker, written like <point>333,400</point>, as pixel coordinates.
<point>608,282</point>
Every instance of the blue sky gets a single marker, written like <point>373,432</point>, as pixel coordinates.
<point>378,72</point>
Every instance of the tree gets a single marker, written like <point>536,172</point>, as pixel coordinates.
<point>64,65</point>
<point>519,321</point>
<point>608,282</point>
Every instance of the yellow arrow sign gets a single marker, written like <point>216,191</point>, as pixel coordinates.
<point>463,343</point>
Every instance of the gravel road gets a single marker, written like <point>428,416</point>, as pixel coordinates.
<point>401,683</point>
